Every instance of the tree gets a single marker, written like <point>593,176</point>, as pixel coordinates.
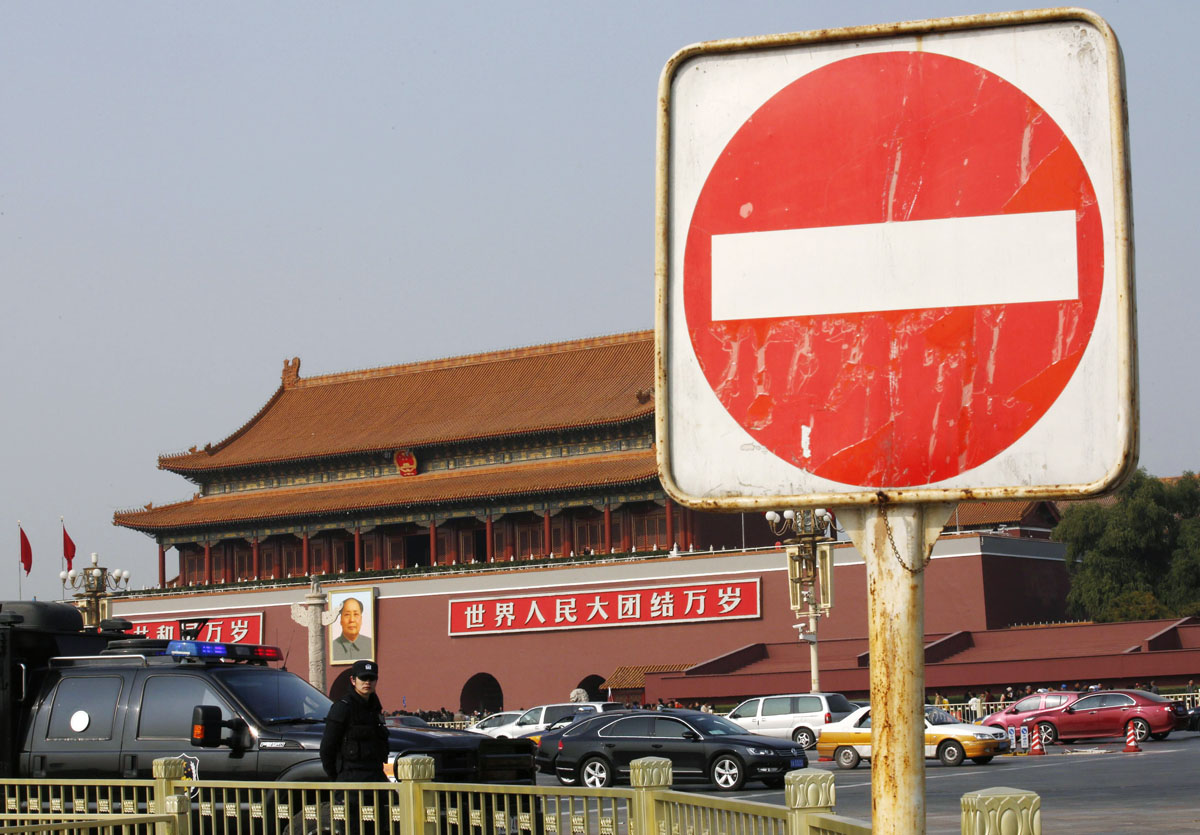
<point>1138,557</point>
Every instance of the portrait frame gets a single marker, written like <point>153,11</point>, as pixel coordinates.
<point>342,649</point>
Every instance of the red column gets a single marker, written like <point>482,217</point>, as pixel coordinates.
<point>670,525</point>
<point>627,533</point>
<point>510,540</point>
<point>433,554</point>
<point>608,545</point>
<point>489,530</point>
<point>358,555</point>
<point>162,567</point>
<point>230,554</point>
<point>568,526</point>
<point>305,565</point>
<point>546,533</point>
<point>255,559</point>
<point>208,576</point>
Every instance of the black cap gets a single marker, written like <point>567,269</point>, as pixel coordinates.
<point>364,669</point>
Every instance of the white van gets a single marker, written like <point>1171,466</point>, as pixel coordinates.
<point>799,716</point>
<point>539,718</point>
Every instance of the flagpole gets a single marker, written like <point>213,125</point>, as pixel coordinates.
<point>62,562</point>
<point>20,565</point>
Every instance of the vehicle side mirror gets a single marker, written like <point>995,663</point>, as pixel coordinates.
<point>206,726</point>
<point>689,734</point>
<point>1011,710</point>
<point>1068,709</point>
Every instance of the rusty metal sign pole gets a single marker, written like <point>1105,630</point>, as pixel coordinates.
<point>896,542</point>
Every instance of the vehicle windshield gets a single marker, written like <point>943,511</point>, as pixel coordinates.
<point>716,725</point>
<point>275,696</point>
<point>937,716</point>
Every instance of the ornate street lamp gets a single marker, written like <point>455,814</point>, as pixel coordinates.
<point>94,585</point>
<point>809,567</point>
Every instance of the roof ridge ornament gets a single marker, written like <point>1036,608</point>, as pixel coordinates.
<point>291,372</point>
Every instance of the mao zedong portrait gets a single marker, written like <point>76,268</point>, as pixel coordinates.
<point>352,645</point>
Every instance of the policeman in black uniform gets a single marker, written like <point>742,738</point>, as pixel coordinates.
<point>355,744</point>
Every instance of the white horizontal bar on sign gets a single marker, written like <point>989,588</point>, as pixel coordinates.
<point>901,265</point>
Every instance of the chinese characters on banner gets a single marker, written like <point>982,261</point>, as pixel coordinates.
<point>228,629</point>
<point>646,606</point>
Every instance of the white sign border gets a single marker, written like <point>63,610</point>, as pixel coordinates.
<point>1118,259</point>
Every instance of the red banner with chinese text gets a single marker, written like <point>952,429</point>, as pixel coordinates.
<point>226,629</point>
<point>642,606</point>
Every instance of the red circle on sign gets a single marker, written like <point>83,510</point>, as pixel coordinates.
<point>893,398</point>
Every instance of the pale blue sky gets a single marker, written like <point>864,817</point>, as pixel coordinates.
<point>193,192</point>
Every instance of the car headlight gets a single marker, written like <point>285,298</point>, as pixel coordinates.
<point>986,736</point>
<point>761,752</point>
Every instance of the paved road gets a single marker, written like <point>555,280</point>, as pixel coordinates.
<point>1089,788</point>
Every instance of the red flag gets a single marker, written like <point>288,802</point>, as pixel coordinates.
<point>26,551</point>
<point>68,548</point>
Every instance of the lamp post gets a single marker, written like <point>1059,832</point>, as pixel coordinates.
<point>93,585</point>
<point>807,529</point>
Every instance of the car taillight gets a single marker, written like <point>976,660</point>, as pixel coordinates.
<point>560,745</point>
<point>828,717</point>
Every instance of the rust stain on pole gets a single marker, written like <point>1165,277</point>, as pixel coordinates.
<point>895,541</point>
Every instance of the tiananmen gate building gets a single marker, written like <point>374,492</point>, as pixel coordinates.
<point>500,519</point>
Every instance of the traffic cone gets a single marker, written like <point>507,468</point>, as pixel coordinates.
<point>1035,742</point>
<point>1131,746</point>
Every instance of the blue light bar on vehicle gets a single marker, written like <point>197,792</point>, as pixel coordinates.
<point>214,650</point>
<point>196,649</point>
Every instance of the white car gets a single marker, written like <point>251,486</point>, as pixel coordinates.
<point>539,718</point>
<point>795,716</point>
<point>489,724</point>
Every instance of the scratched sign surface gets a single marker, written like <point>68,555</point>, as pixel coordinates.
<point>890,262</point>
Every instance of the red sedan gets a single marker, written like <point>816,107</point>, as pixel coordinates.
<point>1109,713</point>
<point>1015,714</point>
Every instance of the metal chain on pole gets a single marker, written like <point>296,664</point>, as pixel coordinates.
<point>896,551</point>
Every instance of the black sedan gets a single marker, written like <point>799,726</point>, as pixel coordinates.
<point>700,746</point>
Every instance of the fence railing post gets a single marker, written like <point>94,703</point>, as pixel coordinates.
<point>1001,810</point>
<point>648,775</point>
<point>179,807</point>
<point>168,773</point>
<point>806,792</point>
<point>412,772</point>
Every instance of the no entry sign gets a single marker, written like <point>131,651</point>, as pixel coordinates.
<point>896,266</point>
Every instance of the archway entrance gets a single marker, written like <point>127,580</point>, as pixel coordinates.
<point>483,693</point>
<point>340,686</point>
<point>592,685</point>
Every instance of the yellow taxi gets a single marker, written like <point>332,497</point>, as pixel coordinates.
<point>848,741</point>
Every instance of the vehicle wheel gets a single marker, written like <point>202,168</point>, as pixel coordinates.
<point>773,782</point>
<point>1160,736</point>
<point>982,760</point>
<point>1141,729</point>
<point>951,753</point>
<point>846,757</point>
<point>1049,733</point>
<point>728,773</point>
<point>804,737</point>
<point>596,773</point>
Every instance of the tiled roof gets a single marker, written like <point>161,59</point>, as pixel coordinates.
<point>440,487</point>
<point>634,677</point>
<point>585,382</point>
<point>971,514</point>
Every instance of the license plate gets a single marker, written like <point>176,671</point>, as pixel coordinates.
<point>1002,746</point>
<point>798,763</point>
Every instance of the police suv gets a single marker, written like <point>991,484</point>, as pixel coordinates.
<point>82,703</point>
